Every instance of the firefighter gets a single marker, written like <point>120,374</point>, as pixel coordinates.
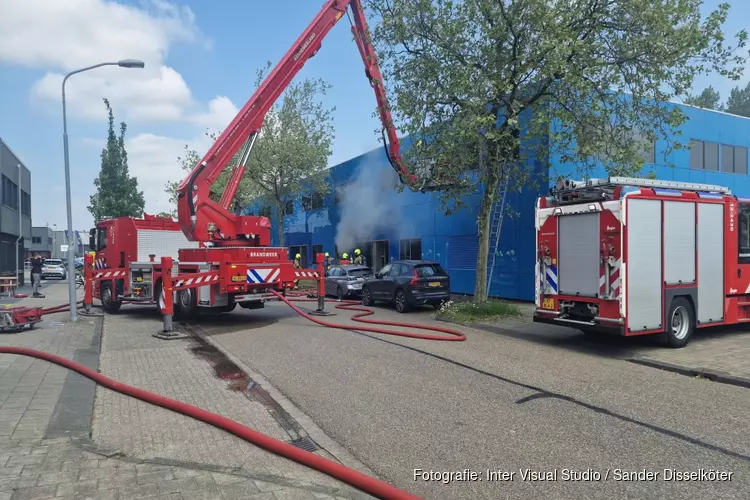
<point>327,263</point>
<point>358,257</point>
<point>344,259</point>
<point>297,265</point>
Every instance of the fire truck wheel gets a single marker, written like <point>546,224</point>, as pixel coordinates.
<point>681,323</point>
<point>186,304</point>
<point>109,304</point>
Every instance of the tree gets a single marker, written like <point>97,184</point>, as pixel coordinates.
<point>291,156</point>
<point>189,159</point>
<point>739,101</point>
<point>117,193</point>
<point>708,99</point>
<point>489,87</point>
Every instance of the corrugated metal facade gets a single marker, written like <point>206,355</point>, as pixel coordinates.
<point>452,240</point>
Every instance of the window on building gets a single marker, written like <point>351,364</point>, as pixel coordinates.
<point>10,193</point>
<point>313,202</point>
<point>265,212</point>
<point>649,147</point>
<point>711,156</point>
<point>410,249</point>
<point>704,155</point>
<point>289,207</point>
<point>338,194</point>
<point>317,201</point>
<point>25,203</point>
<point>733,159</point>
<point>36,240</point>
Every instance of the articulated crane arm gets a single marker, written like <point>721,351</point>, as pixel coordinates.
<point>204,220</point>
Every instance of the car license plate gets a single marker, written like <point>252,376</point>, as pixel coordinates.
<point>548,303</point>
<point>50,268</point>
<point>239,278</point>
<point>434,284</point>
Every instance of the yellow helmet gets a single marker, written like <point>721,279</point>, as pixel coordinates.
<point>346,256</point>
<point>327,254</point>
<point>298,256</point>
<point>357,251</point>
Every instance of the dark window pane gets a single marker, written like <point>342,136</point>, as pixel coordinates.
<point>727,158</point>
<point>711,153</point>
<point>740,160</point>
<point>696,155</point>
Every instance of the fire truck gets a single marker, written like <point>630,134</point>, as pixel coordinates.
<point>222,259</point>
<point>639,256</point>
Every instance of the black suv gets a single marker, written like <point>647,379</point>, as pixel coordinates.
<point>408,283</point>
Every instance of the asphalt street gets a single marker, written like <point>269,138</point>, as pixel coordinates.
<point>498,403</point>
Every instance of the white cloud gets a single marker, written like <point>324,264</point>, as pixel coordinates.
<point>153,160</point>
<point>63,36</point>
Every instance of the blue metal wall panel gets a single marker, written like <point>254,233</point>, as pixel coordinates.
<point>452,241</point>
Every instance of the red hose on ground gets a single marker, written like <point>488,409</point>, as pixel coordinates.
<point>352,305</point>
<point>349,476</point>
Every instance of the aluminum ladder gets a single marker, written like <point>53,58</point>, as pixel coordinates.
<point>496,226</point>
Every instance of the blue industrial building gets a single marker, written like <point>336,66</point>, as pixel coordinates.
<point>413,226</point>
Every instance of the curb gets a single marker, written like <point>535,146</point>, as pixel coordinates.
<point>316,433</point>
<point>713,375</point>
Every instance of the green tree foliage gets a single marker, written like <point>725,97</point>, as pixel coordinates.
<point>117,193</point>
<point>290,156</point>
<point>708,99</point>
<point>739,101</point>
<point>552,70</point>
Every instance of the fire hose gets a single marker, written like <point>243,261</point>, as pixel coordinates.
<point>349,476</point>
<point>352,305</point>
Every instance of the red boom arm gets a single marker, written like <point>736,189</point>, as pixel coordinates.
<point>201,218</point>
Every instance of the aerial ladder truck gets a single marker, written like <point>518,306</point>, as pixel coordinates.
<point>212,258</point>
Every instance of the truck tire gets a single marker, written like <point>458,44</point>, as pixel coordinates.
<point>186,303</point>
<point>680,323</point>
<point>109,303</point>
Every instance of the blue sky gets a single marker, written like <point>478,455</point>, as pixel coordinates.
<point>201,61</point>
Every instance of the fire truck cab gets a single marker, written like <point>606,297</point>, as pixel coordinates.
<point>639,256</point>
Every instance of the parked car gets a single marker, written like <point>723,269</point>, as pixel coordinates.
<point>54,268</point>
<point>343,281</point>
<point>408,283</point>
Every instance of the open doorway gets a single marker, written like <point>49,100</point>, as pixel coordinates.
<point>299,249</point>
<point>376,253</point>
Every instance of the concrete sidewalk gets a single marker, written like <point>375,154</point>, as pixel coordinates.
<point>46,450</point>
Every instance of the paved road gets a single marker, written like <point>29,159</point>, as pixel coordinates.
<point>496,402</point>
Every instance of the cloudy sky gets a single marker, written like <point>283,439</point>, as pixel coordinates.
<point>201,58</point>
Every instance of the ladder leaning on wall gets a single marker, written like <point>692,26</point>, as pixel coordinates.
<point>497,214</point>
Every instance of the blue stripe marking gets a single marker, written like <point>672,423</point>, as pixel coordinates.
<point>256,275</point>
<point>709,195</point>
<point>551,283</point>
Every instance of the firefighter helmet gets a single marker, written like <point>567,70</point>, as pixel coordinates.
<point>345,256</point>
<point>298,256</point>
<point>327,255</point>
<point>357,251</point>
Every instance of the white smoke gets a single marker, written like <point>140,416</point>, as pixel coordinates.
<point>369,207</point>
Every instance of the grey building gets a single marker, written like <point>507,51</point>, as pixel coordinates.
<point>15,212</point>
<point>42,242</point>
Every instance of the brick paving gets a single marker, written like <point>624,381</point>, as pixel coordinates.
<point>39,400</point>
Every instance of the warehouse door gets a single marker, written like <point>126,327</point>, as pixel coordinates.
<point>299,249</point>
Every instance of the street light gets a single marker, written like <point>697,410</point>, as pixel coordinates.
<point>124,63</point>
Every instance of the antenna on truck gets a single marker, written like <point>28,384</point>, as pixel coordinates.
<point>567,191</point>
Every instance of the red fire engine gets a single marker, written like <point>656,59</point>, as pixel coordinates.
<point>641,256</point>
<point>223,259</point>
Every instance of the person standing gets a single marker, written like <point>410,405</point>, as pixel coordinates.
<point>36,273</point>
<point>358,257</point>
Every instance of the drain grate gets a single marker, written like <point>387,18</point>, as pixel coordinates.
<point>305,443</point>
